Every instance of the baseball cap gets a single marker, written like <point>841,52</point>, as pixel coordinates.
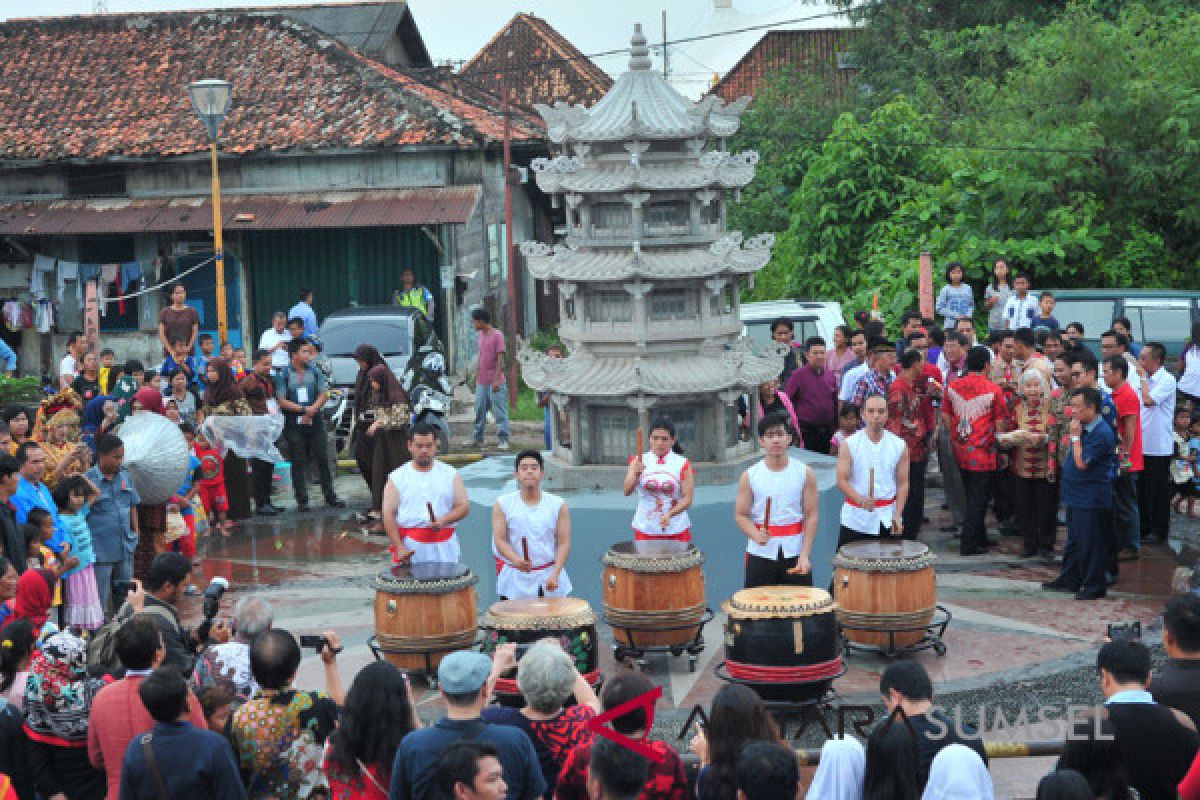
<point>464,671</point>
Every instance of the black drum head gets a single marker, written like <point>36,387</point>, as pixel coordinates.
<point>426,571</point>
<point>653,549</point>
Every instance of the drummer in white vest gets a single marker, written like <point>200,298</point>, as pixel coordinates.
<point>531,536</point>
<point>776,508</point>
<point>422,502</point>
<point>665,483</point>
<point>872,454</point>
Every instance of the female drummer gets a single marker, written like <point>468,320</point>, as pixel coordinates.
<point>664,481</point>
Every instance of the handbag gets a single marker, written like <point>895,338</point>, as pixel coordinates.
<point>152,766</point>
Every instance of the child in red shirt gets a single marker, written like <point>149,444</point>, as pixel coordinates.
<point>212,482</point>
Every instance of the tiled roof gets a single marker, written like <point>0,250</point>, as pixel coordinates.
<point>115,86</point>
<point>536,64</point>
<point>815,51</point>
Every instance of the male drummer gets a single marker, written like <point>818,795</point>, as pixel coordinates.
<point>778,550</point>
<point>422,502</point>
<point>531,536</point>
<point>872,453</point>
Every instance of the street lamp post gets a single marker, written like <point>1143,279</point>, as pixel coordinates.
<point>210,98</point>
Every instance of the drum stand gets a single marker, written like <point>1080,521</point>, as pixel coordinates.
<point>429,673</point>
<point>638,652</point>
<point>818,708</point>
<point>933,631</point>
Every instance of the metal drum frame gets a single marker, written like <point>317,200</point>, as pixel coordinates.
<point>634,651</point>
<point>934,631</point>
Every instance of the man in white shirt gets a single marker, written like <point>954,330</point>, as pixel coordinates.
<point>68,368</point>
<point>1022,307</point>
<point>1158,442</point>
<point>852,377</point>
<point>531,535</point>
<point>274,340</point>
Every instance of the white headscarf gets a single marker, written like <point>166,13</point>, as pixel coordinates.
<point>839,774</point>
<point>958,773</point>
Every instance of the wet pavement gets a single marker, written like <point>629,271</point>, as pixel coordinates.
<point>1009,646</point>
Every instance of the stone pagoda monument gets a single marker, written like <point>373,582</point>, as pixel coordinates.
<point>648,277</point>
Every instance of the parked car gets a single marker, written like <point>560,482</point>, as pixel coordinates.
<point>809,318</point>
<point>1157,315</point>
<point>396,331</point>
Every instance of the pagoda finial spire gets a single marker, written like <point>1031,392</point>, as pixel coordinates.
<point>639,53</point>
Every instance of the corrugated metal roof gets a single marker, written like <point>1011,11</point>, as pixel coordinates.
<point>427,206</point>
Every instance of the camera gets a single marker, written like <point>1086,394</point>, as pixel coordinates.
<point>124,586</point>
<point>522,649</point>
<point>315,641</point>
<point>1125,631</point>
<point>212,596</point>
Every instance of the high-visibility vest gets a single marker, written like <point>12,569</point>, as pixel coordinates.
<point>413,298</point>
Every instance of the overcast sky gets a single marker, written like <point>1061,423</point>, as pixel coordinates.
<point>456,29</point>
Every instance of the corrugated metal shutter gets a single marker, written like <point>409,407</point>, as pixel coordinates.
<point>343,267</point>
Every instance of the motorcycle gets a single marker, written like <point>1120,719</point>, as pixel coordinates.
<point>429,392</point>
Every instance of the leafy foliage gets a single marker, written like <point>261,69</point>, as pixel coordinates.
<point>1062,137</point>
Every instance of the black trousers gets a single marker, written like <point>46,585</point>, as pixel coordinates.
<point>1003,489</point>
<point>978,487</point>
<point>773,572</point>
<point>1086,552</point>
<point>261,473</point>
<point>306,443</point>
<point>1154,497</point>
<point>816,437</point>
<point>914,505</point>
<point>1036,512</point>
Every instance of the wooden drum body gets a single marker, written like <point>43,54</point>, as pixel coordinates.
<point>654,593</point>
<point>569,620</point>
<point>423,612</point>
<point>886,585</point>
<point>782,641</point>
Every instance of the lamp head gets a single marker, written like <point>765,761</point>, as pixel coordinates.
<point>210,98</point>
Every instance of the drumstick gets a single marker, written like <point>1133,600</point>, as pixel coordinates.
<point>767,516</point>
<point>871,481</point>
<point>639,446</point>
<point>432,518</point>
<point>525,550</point>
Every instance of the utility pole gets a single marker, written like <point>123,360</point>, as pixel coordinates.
<point>511,316</point>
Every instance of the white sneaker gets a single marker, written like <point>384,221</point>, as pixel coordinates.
<point>502,446</point>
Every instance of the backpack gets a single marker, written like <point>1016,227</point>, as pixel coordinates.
<point>102,646</point>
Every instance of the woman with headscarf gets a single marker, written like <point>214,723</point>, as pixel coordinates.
<point>58,699</point>
<point>1033,461</point>
<point>35,596</point>
<point>99,416</point>
<point>958,773</point>
<point>386,428</point>
<point>839,774</point>
<point>367,357</point>
<point>224,398</point>
<point>66,455</point>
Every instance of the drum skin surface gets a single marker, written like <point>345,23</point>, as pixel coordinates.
<point>782,626</point>
<point>885,585</point>
<point>654,585</point>
<point>425,608</point>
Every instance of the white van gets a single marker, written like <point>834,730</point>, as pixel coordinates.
<point>808,317</point>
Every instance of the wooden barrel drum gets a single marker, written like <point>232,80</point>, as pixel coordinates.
<point>654,593</point>
<point>885,585</point>
<point>569,620</point>
<point>782,641</point>
<point>423,612</point>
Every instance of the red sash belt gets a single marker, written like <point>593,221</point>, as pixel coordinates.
<point>682,536</point>
<point>789,529</point>
<point>427,535</point>
<point>500,562</point>
<point>878,503</point>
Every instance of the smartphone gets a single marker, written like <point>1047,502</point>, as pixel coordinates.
<point>1125,631</point>
<point>315,641</point>
<point>522,649</point>
<point>124,586</point>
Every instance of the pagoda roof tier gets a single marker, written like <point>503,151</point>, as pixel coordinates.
<point>642,105</point>
<point>714,168</point>
<point>728,254</point>
<point>711,369</point>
